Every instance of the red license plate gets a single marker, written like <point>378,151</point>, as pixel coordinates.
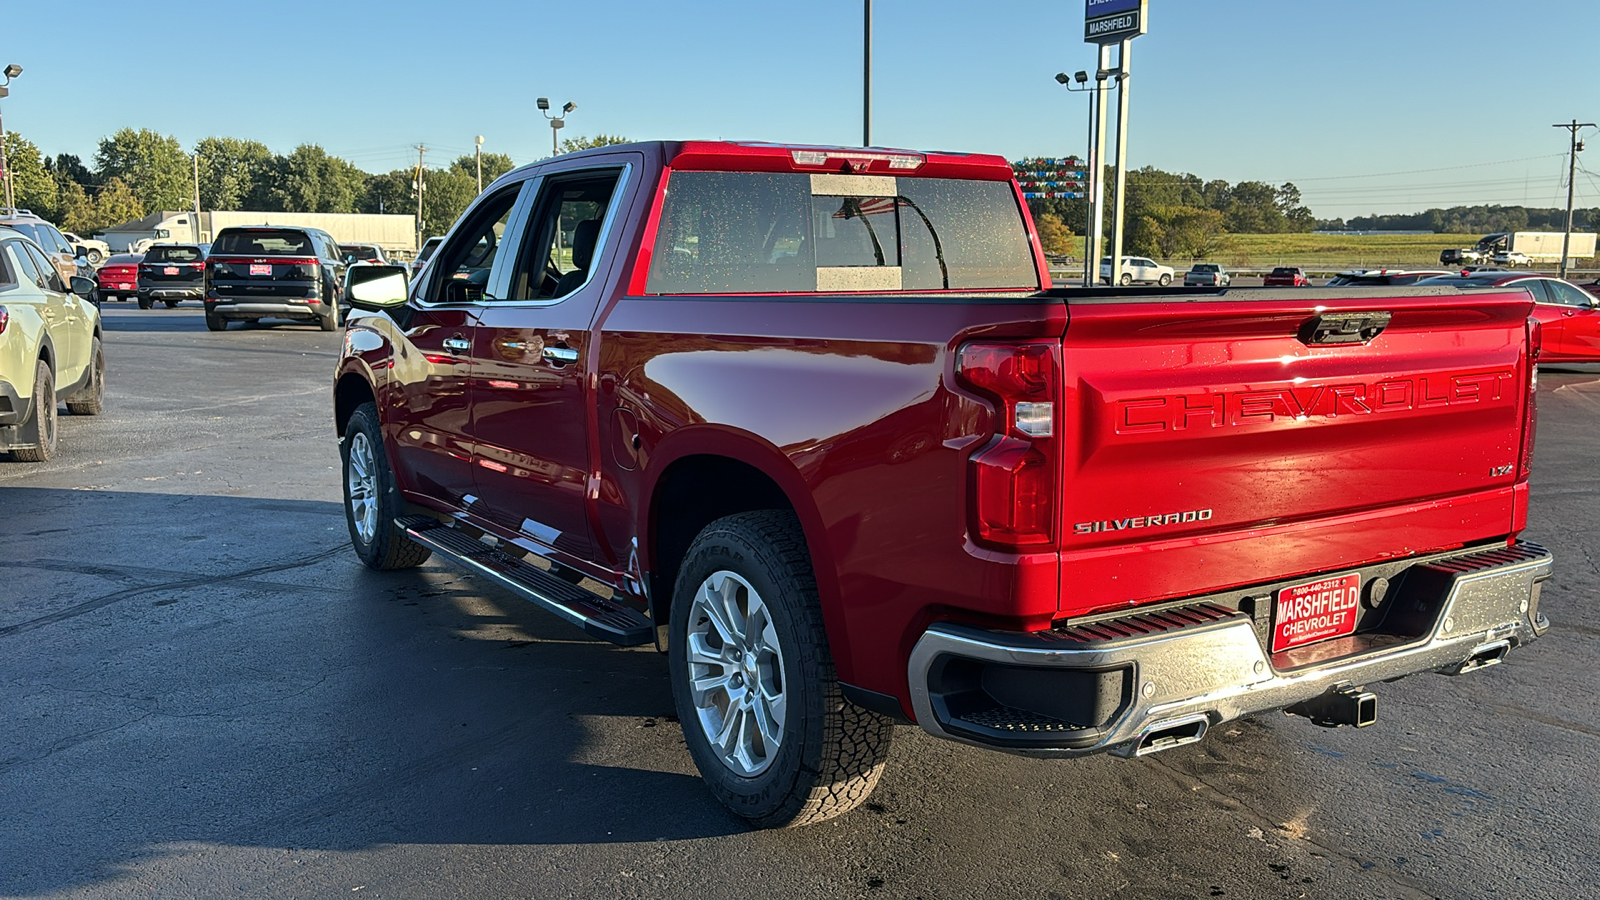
<point>170,270</point>
<point>1307,613</point>
<point>261,268</point>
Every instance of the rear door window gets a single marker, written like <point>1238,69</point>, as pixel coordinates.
<point>49,278</point>
<point>748,232</point>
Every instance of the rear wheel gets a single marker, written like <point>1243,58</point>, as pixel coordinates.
<point>44,415</point>
<point>1126,279</point>
<point>145,302</point>
<point>371,500</point>
<point>91,399</point>
<point>330,322</point>
<point>216,322</point>
<point>754,681</point>
<point>1165,279</point>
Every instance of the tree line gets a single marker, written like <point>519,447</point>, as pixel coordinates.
<point>137,172</point>
<point>1470,220</point>
<point>1173,215</point>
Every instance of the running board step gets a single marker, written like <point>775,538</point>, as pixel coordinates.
<point>596,615</point>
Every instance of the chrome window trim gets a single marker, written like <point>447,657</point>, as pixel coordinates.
<point>600,241</point>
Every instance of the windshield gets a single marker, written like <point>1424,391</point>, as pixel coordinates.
<point>262,242</point>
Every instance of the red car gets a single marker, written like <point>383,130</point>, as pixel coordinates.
<point>118,279</point>
<point>1569,316</point>
<point>1286,276</point>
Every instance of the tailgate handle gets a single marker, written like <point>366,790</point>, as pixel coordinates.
<point>1344,327</point>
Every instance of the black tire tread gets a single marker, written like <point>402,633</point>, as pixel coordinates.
<point>855,741</point>
<point>44,404</point>
<point>90,401</point>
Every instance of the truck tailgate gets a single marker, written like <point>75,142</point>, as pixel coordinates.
<point>1216,442</point>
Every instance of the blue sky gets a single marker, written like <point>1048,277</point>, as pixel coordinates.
<point>1456,96</point>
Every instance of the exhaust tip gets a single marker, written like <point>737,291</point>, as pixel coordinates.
<point>1170,734</point>
<point>1343,705</point>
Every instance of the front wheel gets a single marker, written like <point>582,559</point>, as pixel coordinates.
<point>91,399</point>
<point>754,681</point>
<point>371,500</point>
<point>95,257</point>
<point>1165,279</point>
<point>172,304</point>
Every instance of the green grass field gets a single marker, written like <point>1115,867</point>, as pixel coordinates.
<point>1333,252</point>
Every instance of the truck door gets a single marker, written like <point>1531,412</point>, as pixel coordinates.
<point>533,404</point>
<point>430,431</point>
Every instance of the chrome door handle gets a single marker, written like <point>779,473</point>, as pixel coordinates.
<point>459,345</point>
<point>561,355</point>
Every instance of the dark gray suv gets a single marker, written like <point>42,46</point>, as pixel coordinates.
<point>273,272</point>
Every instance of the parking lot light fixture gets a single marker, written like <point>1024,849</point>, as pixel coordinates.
<point>13,71</point>
<point>556,122</point>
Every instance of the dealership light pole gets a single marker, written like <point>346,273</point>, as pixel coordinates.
<point>1095,167</point>
<point>1572,172</point>
<point>1107,22</point>
<point>10,72</point>
<point>556,122</point>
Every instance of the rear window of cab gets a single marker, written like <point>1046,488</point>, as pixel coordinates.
<point>758,233</point>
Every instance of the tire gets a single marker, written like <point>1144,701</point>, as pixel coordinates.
<point>371,500</point>
<point>216,322</point>
<point>145,302</point>
<point>172,304</point>
<point>95,257</point>
<point>1164,280</point>
<point>90,400</point>
<point>330,322</point>
<point>1125,280</point>
<point>44,411</point>
<point>827,753</point>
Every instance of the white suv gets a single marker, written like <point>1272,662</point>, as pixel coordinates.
<point>1138,269</point>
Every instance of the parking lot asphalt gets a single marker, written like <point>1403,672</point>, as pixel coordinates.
<point>203,693</point>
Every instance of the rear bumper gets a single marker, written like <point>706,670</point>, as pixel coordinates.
<point>1146,681</point>
<point>264,309</point>
<point>13,408</point>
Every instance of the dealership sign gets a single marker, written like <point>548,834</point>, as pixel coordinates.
<point>1112,21</point>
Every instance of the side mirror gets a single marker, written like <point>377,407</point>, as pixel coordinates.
<point>83,287</point>
<point>80,252</point>
<point>375,288</point>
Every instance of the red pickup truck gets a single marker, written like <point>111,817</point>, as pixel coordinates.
<point>814,422</point>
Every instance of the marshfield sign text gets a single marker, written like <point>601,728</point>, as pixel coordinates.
<point>1111,21</point>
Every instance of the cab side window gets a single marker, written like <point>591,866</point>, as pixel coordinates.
<point>562,241</point>
<point>468,258</point>
<point>8,268</point>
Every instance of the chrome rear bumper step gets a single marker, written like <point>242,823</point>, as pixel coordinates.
<point>599,617</point>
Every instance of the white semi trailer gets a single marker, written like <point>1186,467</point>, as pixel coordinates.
<point>391,232</point>
<point>1539,246</point>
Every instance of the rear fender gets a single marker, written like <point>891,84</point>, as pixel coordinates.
<point>745,447</point>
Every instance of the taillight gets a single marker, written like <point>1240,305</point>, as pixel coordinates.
<point>5,319</point>
<point>1013,487</point>
<point>1530,420</point>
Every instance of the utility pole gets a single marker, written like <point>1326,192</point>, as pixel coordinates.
<point>420,188</point>
<point>866,78</point>
<point>1572,172</point>
<point>479,157</point>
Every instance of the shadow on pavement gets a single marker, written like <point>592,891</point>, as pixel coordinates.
<point>222,670</point>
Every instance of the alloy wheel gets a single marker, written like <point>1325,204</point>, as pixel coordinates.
<point>361,487</point>
<point>736,676</point>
